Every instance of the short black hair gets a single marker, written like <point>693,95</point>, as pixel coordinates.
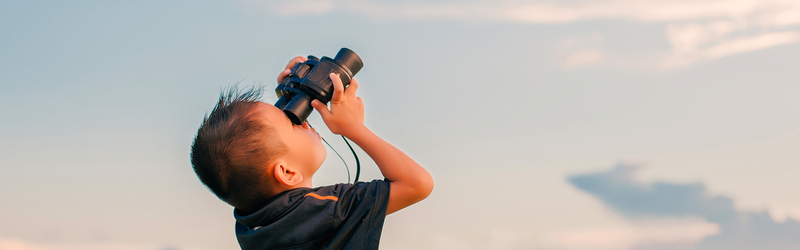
<point>232,149</point>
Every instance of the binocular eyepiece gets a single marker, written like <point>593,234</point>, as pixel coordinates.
<point>310,80</point>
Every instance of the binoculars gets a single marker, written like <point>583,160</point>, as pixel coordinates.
<point>310,80</point>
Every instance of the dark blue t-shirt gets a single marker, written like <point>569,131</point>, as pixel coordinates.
<point>342,216</point>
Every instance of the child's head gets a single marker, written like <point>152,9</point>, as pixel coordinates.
<point>247,151</point>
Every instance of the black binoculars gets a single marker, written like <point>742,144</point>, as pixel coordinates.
<point>310,80</point>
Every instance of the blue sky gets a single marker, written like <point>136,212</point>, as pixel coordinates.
<point>502,101</point>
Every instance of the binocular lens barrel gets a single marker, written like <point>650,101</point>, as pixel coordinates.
<point>298,108</point>
<point>282,101</point>
<point>350,60</point>
<point>309,81</point>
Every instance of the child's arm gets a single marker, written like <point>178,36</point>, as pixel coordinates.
<point>409,182</point>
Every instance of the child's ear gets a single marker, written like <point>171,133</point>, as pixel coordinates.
<point>287,175</point>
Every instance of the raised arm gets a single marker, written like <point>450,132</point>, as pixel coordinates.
<point>409,182</point>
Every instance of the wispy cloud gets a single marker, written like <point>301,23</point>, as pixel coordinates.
<point>693,42</point>
<point>549,11</point>
<point>698,30</point>
<point>581,50</point>
<point>8,244</point>
<point>678,234</point>
<point>16,244</point>
<point>738,229</point>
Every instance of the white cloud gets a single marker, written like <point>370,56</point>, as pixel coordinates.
<point>698,30</point>
<point>699,41</point>
<point>582,57</point>
<point>540,12</point>
<point>690,46</point>
<point>9,244</point>
<point>446,242</point>
<point>782,18</point>
<point>631,235</point>
<point>586,238</point>
<point>581,50</point>
<point>746,44</point>
<point>16,244</point>
<point>299,7</point>
<point>633,10</point>
<point>768,12</point>
<point>781,214</point>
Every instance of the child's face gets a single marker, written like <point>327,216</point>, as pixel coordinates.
<point>304,146</point>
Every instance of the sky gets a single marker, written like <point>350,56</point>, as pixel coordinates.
<point>547,125</point>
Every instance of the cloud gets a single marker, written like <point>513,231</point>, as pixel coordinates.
<point>582,57</point>
<point>581,50</point>
<point>639,236</point>
<point>16,244</point>
<point>9,244</point>
<point>653,11</point>
<point>304,7</point>
<point>695,42</point>
<point>737,229</point>
<point>698,30</point>
<point>548,11</point>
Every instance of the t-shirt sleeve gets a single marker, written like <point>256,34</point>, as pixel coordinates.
<point>359,213</point>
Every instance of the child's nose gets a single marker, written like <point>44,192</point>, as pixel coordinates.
<point>305,125</point>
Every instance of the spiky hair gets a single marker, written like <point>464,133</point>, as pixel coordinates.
<point>232,150</point>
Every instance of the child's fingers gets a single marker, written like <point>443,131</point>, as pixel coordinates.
<point>321,108</point>
<point>338,89</point>
<point>283,74</point>
<point>290,65</point>
<point>295,60</point>
<point>350,92</point>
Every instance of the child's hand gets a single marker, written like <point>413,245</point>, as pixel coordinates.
<point>346,115</point>
<point>409,182</point>
<point>288,69</point>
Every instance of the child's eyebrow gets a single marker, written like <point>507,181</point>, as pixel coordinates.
<point>333,198</point>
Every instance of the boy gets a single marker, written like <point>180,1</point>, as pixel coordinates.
<point>252,157</point>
